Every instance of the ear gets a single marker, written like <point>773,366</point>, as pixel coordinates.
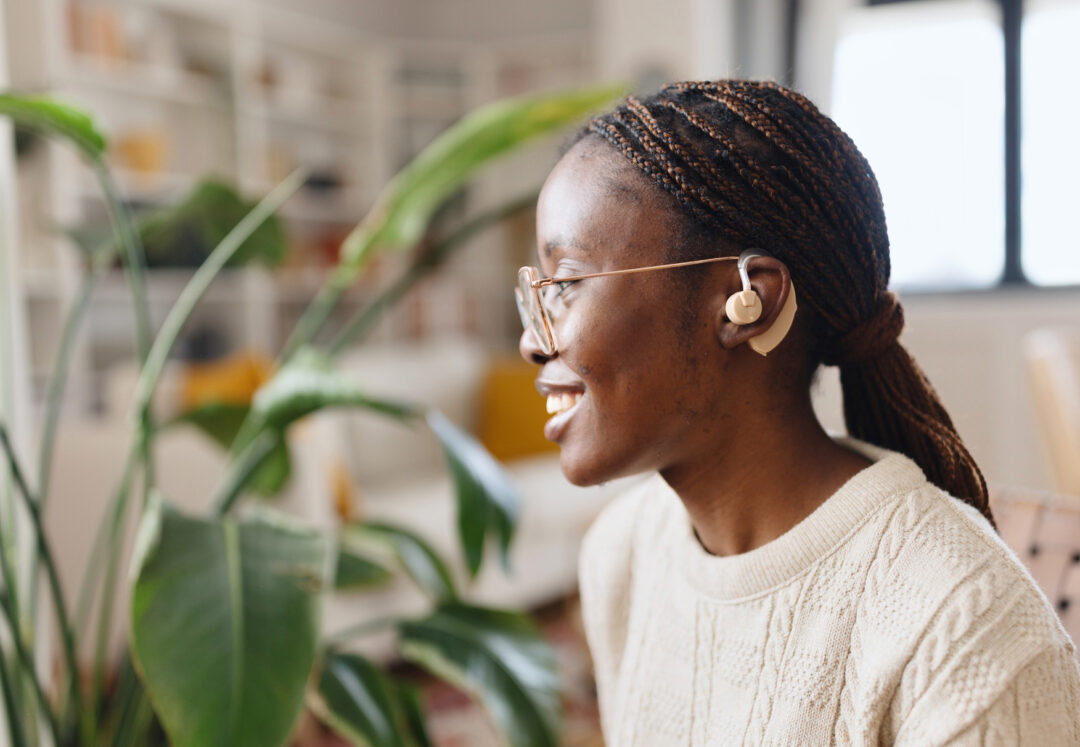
<point>770,279</point>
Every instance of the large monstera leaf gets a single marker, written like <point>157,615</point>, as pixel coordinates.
<point>365,706</point>
<point>224,622</point>
<point>487,500</point>
<point>499,657</point>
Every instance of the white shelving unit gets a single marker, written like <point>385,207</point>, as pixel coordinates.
<point>248,90</point>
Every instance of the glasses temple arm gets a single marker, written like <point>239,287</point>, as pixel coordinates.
<point>551,281</point>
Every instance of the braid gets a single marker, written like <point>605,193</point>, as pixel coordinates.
<point>762,164</point>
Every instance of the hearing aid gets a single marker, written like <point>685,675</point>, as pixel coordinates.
<point>744,307</point>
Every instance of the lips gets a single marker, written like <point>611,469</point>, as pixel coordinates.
<point>563,399</point>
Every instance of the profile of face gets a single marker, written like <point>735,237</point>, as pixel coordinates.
<point>638,362</point>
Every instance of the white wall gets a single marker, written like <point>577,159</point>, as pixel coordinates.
<point>652,42</point>
<point>969,347</point>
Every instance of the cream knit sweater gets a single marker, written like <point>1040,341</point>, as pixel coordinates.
<point>892,614</point>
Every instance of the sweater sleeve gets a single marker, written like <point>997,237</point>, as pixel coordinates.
<point>1039,706</point>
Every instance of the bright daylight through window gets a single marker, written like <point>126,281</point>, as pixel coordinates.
<point>919,88</point>
<point>1051,151</point>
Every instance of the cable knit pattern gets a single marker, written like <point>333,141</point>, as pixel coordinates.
<point>893,614</point>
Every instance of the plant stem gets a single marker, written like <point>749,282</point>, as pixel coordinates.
<point>243,467</point>
<point>106,603</point>
<point>58,380</point>
<point>103,540</point>
<point>15,726</point>
<point>134,256</point>
<point>63,622</point>
<point>27,662</point>
<point>130,724</point>
<point>58,377</point>
<point>198,284</point>
<point>318,311</point>
<point>362,322</point>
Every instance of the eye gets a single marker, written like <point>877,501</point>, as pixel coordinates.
<point>563,286</point>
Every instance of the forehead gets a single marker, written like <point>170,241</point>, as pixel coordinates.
<point>597,202</point>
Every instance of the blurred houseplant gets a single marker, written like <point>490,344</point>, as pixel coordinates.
<point>225,610</point>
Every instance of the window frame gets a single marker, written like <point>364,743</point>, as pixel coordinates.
<point>1012,276</point>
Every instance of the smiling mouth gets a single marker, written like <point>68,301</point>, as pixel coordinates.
<point>557,404</point>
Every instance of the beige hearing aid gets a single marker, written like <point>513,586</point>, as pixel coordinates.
<point>744,307</point>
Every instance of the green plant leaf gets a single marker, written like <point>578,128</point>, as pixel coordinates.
<point>50,117</point>
<point>184,234</point>
<point>361,703</point>
<point>486,497</point>
<point>420,561</point>
<point>409,698</point>
<point>224,620</point>
<point>497,656</point>
<point>222,421</point>
<point>309,383</point>
<point>357,572</point>
<point>405,206</point>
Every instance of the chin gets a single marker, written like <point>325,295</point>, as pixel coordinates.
<point>585,473</point>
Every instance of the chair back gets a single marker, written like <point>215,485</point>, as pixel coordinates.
<point>1043,529</point>
<point>1052,357</point>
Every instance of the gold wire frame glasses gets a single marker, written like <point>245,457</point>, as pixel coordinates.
<point>535,315</point>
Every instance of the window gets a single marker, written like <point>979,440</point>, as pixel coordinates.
<point>1050,199</point>
<point>919,91</point>
<point>931,93</point>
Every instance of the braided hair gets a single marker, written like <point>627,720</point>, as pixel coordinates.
<point>763,166</point>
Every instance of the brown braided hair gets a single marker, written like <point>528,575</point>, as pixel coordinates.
<point>761,164</point>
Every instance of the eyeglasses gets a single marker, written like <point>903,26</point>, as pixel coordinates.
<point>534,313</point>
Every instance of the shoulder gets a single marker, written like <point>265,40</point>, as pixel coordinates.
<point>943,562</point>
<point>966,617</point>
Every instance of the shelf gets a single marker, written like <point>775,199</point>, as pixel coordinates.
<point>306,208</point>
<point>156,188</point>
<point>145,81</point>
<point>211,11</point>
<point>322,113</point>
<point>166,284</point>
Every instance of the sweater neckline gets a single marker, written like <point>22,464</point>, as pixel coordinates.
<point>759,570</point>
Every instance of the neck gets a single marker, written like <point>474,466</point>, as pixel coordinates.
<point>751,489</point>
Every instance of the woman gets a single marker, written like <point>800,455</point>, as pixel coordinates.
<point>770,583</point>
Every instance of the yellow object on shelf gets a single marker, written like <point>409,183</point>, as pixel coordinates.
<point>512,412</point>
<point>232,380</point>
<point>144,152</point>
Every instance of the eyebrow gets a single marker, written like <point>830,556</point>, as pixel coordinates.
<point>552,245</point>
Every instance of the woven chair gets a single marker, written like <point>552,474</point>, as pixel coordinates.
<point>1043,529</point>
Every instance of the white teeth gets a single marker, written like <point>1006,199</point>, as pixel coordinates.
<point>559,403</point>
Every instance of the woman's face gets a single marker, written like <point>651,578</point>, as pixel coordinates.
<point>636,357</point>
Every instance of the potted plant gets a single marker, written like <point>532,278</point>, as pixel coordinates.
<point>224,633</point>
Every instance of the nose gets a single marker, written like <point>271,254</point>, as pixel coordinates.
<point>530,349</point>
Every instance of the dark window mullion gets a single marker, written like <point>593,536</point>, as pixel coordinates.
<point>1012,12</point>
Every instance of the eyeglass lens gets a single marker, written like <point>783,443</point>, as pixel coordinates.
<point>531,310</point>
